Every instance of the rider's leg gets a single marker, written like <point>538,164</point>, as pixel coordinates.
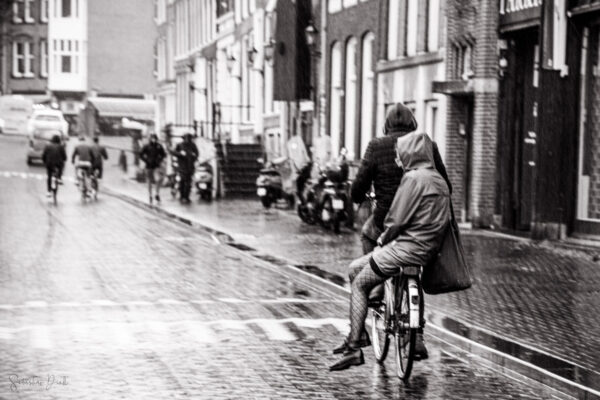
<point>357,265</point>
<point>366,280</point>
<point>49,170</point>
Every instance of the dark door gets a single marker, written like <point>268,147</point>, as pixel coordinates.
<point>521,125</point>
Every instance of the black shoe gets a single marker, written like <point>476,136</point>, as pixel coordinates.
<point>365,341</point>
<point>420,349</point>
<point>157,198</point>
<point>351,357</point>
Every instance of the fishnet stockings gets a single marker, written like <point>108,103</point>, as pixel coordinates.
<point>362,283</point>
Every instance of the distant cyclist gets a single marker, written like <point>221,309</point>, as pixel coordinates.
<point>54,158</point>
<point>100,154</point>
<point>83,156</point>
<point>153,154</point>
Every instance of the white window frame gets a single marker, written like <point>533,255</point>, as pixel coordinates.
<point>433,25</point>
<point>15,11</point>
<point>412,21</point>
<point>15,61</point>
<point>27,12</point>
<point>393,26</point>
<point>44,10</point>
<point>44,58</point>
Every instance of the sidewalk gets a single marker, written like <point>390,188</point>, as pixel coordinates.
<point>533,301</point>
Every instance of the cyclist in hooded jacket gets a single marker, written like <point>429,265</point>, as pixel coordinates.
<point>412,234</point>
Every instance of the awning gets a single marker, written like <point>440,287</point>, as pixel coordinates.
<point>128,108</point>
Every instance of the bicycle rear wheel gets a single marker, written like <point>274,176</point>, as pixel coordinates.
<point>404,336</point>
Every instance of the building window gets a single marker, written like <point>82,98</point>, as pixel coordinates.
<point>366,97</point>
<point>351,97</point>
<point>44,11</point>
<point>23,59</point>
<point>65,64</point>
<point>66,8</point>
<point>224,6</point>
<point>393,17</point>
<point>28,9</point>
<point>412,16</point>
<point>433,24</point>
<point>336,93</point>
<point>44,58</point>
<point>334,6</point>
<point>18,11</point>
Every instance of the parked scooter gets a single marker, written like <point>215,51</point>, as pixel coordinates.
<point>203,179</point>
<point>270,185</point>
<point>327,201</point>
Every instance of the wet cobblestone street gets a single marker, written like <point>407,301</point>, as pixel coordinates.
<point>106,300</point>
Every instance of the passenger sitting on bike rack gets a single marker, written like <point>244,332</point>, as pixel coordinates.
<point>54,157</point>
<point>413,232</point>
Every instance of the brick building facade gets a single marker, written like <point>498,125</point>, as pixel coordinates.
<point>472,87</point>
<point>354,37</point>
<point>25,69</point>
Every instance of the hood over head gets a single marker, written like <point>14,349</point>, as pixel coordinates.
<point>399,119</point>
<point>415,151</point>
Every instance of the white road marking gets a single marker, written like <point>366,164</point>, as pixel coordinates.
<point>68,304</point>
<point>200,331</point>
<point>104,303</point>
<point>231,300</point>
<point>36,304</point>
<point>5,334</point>
<point>39,337</point>
<point>139,303</point>
<point>171,302</point>
<point>276,330</point>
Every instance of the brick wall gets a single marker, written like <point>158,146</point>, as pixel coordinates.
<point>474,22</point>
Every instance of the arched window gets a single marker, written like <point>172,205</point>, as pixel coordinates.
<point>350,93</point>
<point>366,107</point>
<point>336,92</point>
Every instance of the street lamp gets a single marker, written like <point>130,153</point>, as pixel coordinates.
<point>310,32</point>
<point>230,62</point>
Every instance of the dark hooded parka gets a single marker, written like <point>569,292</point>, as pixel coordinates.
<point>379,169</point>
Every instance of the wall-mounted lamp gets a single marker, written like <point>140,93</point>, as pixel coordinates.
<point>231,60</point>
<point>252,55</point>
<point>269,48</point>
<point>311,33</point>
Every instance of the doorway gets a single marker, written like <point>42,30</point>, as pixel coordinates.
<point>518,127</point>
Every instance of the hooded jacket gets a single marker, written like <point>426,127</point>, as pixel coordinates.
<point>420,211</point>
<point>379,169</point>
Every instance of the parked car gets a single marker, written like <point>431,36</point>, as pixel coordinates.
<point>37,141</point>
<point>48,119</point>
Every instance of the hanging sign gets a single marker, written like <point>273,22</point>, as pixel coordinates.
<point>516,14</point>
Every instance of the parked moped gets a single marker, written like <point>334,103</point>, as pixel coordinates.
<point>270,185</point>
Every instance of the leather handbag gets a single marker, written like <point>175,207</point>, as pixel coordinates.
<point>450,271</point>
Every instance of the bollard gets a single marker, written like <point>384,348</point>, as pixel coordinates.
<point>123,161</point>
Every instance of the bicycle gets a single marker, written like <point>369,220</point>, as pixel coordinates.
<point>399,315</point>
<point>54,183</point>
<point>83,175</point>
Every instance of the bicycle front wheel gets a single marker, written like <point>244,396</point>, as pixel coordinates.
<point>379,333</point>
<point>404,336</point>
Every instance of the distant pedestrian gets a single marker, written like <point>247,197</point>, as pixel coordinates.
<point>54,158</point>
<point>100,154</point>
<point>153,154</point>
<point>187,154</point>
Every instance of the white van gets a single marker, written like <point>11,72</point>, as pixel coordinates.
<point>14,113</point>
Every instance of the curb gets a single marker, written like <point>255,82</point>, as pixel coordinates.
<point>512,358</point>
